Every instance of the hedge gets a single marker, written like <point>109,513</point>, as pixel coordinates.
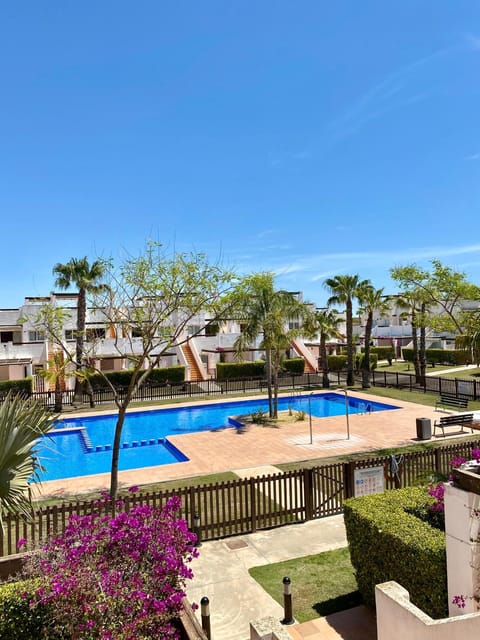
<point>232,370</point>
<point>23,386</point>
<point>382,353</point>
<point>359,357</point>
<point>441,356</point>
<point>337,363</point>
<point>294,365</point>
<point>387,542</point>
<point>17,620</point>
<point>122,378</point>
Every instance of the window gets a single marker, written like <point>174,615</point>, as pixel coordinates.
<point>36,336</point>
<point>94,333</point>
<point>70,334</point>
<point>293,324</point>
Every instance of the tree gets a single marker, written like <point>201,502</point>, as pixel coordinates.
<point>150,300</point>
<point>343,290</point>
<point>22,422</point>
<point>445,290</point>
<point>265,313</point>
<point>87,279</point>
<point>370,300</point>
<point>55,374</point>
<point>323,323</point>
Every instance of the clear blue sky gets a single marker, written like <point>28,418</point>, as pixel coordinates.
<point>310,138</point>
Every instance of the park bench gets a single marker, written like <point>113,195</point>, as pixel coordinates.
<point>460,420</point>
<point>451,400</point>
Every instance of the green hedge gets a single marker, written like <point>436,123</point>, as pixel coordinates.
<point>122,378</point>
<point>382,353</point>
<point>359,357</point>
<point>232,370</point>
<point>389,543</point>
<point>441,356</point>
<point>294,365</point>
<point>24,386</point>
<point>17,620</point>
<point>337,363</point>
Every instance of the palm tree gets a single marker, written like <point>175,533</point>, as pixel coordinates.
<point>323,322</point>
<point>343,290</point>
<point>371,300</point>
<point>87,278</point>
<point>265,313</point>
<point>55,374</point>
<point>22,422</point>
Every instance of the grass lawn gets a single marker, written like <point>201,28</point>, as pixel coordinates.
<point>321,584</point>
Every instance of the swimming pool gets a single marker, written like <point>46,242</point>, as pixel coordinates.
<point>83,446</point>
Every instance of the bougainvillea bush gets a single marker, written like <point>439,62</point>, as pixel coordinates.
<point>117,576</point>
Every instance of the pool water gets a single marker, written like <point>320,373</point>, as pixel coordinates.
<point>83,446</point>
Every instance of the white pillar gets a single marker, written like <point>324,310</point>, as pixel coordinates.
<point>462,518</point>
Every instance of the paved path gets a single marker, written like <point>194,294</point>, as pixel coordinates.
<point>221,571</point>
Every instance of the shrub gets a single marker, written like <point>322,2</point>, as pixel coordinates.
<point>440,356</point>
<point>116,576</point>
<point>122,378</point>
<point>17,620</point>
<point>294,365</point>
<point>359,358</point>
<point>337,363</point>
<point>232,370</point>
<point>388,542</point>
<point>23,386</point>
<point>382,353</point>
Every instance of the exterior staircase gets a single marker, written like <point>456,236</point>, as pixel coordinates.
<point>305,353</point>
<point>195,367</point>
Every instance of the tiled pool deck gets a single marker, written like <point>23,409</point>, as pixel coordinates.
<point>230,449</point>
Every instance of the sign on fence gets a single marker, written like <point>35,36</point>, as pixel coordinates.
<point>368,481</point>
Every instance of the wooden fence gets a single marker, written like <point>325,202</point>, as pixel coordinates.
<point>248,505</point>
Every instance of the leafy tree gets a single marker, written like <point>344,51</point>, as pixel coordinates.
<point>87,279</point>
<point>323,323</point>
<point>370,300</point>
<point>55,374</point>
<point>148,300</point>
<point>22,422</point>
<point>343,290</point>
<point>266,312</point>
<point>445,289</point>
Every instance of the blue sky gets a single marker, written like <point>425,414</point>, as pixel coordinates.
<point>307,138</point>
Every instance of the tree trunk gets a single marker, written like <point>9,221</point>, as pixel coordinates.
<point>416,359</point>
<point>116,451</point>
<point>324,357</point>
<point>350,376</point>
<point>366,355</point>
<point>276,367</point>
<point>80,341</point>
<point>58,405</point>
<point>268,372</point>
<point>422,346</point>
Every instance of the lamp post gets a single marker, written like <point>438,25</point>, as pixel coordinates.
<point>345,391</point>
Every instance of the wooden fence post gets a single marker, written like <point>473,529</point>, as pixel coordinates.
<point>348,479</point>
<point>253,505</point>
<point>308,493</point>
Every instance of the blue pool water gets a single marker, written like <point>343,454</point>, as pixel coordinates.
<point>83,446</point>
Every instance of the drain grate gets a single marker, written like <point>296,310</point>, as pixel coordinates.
<point>233,545</point>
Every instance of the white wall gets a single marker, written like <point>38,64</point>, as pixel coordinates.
<point>399,619</point>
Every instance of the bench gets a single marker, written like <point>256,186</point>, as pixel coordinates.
<point>460,420</point>
<point>451,400</point>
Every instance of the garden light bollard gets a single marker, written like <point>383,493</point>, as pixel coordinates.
<point>196,529</point>
<point>205,611</point>
<point>287,601</point>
